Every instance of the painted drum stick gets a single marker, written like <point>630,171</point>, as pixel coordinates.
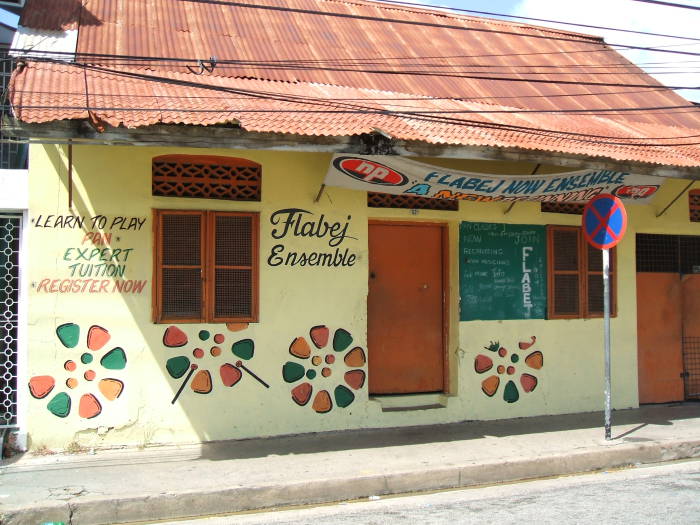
<point>240,364</point>
<point>182,386</point>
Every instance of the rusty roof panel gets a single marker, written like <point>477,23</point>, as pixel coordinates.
<point>51,15</point>
<point>381,56</point>
<point>44,92</point>
<point>342,49</point>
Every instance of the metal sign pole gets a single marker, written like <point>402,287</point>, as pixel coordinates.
<point>606,336</point>
<point>604,223</point>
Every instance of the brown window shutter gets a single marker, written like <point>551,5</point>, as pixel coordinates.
<point>180,266</point>
<point>206,267</point>
<point>234,269</point>
<point>564,288</point>
<point>576,275</point>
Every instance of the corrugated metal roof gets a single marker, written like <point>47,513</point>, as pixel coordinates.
<point>43,92</point>
<point>363,50</point>
<point>52,15</point>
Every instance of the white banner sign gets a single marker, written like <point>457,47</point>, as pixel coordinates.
<point>401,176</point>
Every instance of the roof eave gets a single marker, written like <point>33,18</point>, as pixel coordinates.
<point>170,135</point>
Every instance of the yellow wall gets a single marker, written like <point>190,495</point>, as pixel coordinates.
<point>116,181</point>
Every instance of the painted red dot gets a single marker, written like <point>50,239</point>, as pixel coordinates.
<point>502,352</point>
<point>219,338</point>
<point>330,359</point>
<point>239,363</point>
<point>194,367</point>
<point>70,366</point>
<point>89,375</point>
<point>500,369</point>
<point>511,370</point>
<point>198,353</point>
<point>326,372</point>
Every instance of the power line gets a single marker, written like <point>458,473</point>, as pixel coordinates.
<point>304,62</point>
<point>579,38</point>
<point>481,77</point>
<point>471,68</point>
<point>518,17</point>
<point>569,135</point>
<point>668,4</point>
<point>301,64</point>
<point>407,98</point>
<point>505,79</point>
<point>594,112</point>
<point>580,137</point>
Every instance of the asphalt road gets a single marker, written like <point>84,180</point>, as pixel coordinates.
<point>661,494</point>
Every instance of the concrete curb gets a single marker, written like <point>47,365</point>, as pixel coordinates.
<point>95,510</point>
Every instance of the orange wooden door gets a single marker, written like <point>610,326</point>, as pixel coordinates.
<point>691,305</point>
<point>659,332</point>
<point>405,308</point>
<point>691,334</point>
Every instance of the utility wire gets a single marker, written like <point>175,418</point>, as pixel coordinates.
<point>668,4</point>
<point>300,64</point>
<point>580,137</point>
<point>291,63</point>
<point>497,78</point>
<point>84,55</point>
<point>569,38</point>
<point>261,66</point>
<point>517,17</point>
<point>472,76</point>
<point>380,99</point>
<point>397,111</point>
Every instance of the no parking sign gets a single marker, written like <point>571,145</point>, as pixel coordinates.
<point>604,221</point>
<point>604,224</point>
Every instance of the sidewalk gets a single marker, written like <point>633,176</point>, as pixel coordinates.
<point>171,482</point>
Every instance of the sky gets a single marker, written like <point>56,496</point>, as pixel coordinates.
<point>8,18</point>
<point>678,70</point>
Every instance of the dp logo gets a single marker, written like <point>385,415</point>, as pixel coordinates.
<point>369,171</point>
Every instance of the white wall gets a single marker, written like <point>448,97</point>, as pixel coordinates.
<point>14,190</point>
<point>14,198</point>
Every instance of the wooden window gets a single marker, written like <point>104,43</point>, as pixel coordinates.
<point>694,205</point>
<point>387,200</point>
<point>206,267</point>
<point>575,275</point>
<point>206,177</point>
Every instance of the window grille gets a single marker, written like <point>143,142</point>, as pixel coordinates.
<point>206,177</point>
<point>571,208</point>
<point>668,253</point>
<point>691,362</point>
<point>386,200</point>
<point>694,205</point>
<point>10,227</point>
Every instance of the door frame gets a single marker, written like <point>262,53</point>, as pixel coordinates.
<point>445,242</point>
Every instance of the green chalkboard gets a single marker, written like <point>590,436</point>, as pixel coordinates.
<point>502,271</point>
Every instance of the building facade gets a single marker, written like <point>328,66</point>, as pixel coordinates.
<point>160,312</point>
